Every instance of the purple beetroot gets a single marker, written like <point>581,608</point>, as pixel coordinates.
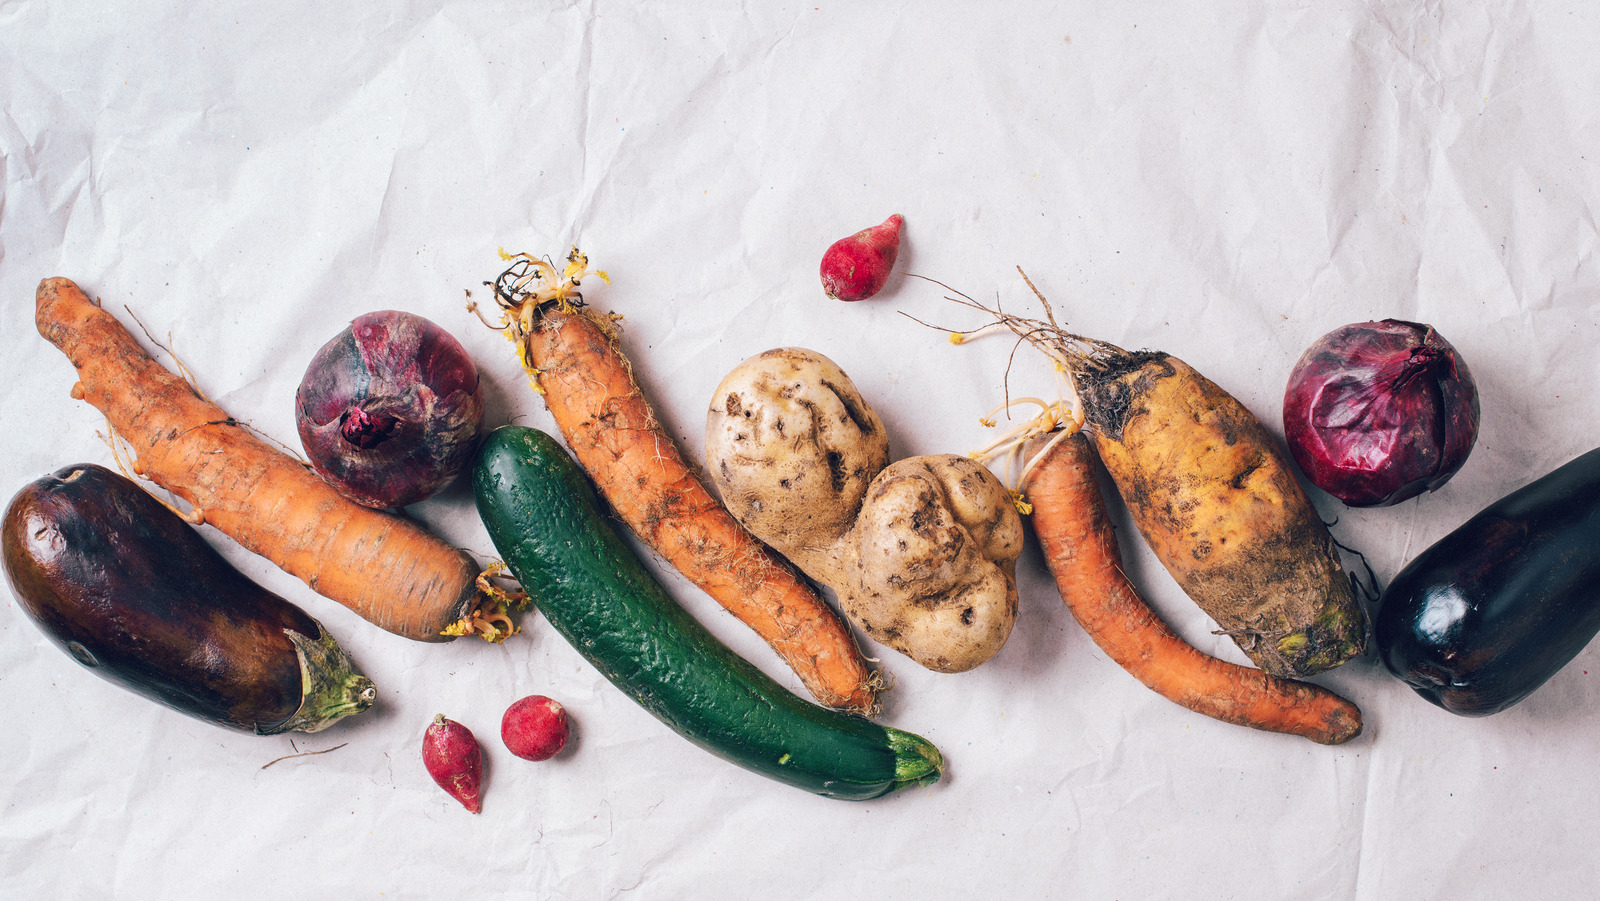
<point>855,268</point>
<point>389,411</point>
<point>454,760</point>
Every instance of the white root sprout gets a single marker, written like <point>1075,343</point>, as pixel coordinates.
<point>1074,356</point>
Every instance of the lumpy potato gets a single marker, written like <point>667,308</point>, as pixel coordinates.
<point>921,554</point>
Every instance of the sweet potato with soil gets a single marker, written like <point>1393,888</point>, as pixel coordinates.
<point>1213,495</point>
<point>1080,550</point>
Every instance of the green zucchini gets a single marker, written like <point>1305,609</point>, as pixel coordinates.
<point>544,520</point>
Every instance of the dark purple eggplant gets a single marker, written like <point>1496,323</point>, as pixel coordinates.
<point>1494,609</point>
<point>131,591</point>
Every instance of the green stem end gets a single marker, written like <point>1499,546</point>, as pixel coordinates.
<point>916,761</point>
<point>331,686</point>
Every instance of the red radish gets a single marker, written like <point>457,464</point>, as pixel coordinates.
<point>856,267</point>
<point>535,728</point>
<point>451,754</point>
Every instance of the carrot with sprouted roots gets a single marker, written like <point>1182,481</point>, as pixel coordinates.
<point>1080,550</point>
<point>387,569</point>
<point>573,357</point>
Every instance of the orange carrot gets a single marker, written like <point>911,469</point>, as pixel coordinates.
<point>387,569</point>
<point>1080,549</point>
<point>574,358</point>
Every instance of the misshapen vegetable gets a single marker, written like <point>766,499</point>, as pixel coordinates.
<point>1211,493</point>
<point>136,596</point>
<point>1491,611</point>
<point>451,755</point>
<point>388,570</point>
<point>857,267</point>
<point>574,358</point>
<point>543,517</point>
<point>1080,550</point>
<point>921,553</point>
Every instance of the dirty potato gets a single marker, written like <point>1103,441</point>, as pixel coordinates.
<point>921,554</point>
<point>935,548</point>
<point>791,446</point>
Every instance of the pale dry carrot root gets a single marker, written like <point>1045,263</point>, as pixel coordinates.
<point>1080,550</point>
<point>387,569</point>
<point>576,362</point>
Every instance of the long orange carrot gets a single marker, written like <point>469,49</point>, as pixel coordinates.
<point>1080,549</point>
<point>387,569</point>
<point>576,361</point>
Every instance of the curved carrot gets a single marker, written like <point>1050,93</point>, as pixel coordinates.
<point>387,569</point>
<point>1080,549</point>
<point>576,360</point>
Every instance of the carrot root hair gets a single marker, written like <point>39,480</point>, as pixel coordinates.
<point>527,286</point>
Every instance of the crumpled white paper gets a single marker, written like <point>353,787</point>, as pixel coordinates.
<point>1223,184</point>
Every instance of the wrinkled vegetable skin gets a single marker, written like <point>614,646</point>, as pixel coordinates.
<point>1491,611</point>
<point>1220,506</point>
<point>133,593</point>
<point>419,389</point>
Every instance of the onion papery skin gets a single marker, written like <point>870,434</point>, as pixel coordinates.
<point>1376,413</point>
<point>390,410</point>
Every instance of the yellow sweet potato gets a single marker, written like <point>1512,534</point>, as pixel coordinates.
<point>1214,496</point>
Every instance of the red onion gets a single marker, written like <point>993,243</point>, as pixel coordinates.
<point>1378,412</point>
<point>389,410</point>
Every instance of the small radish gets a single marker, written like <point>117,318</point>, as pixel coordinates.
<point>535,728</point>
<point>855,268</point>
<point>451,754</point>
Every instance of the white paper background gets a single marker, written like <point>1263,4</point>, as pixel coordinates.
<point>1226,182</point>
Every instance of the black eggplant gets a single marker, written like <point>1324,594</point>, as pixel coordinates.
<point>1492,610</point>
<point>132,592</point>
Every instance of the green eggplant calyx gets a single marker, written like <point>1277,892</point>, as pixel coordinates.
<point>916,761</point>
<point>331,686</point>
